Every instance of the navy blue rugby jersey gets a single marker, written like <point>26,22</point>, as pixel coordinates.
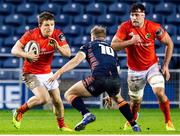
<point>101,57</point>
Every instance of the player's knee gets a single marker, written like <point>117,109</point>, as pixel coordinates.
<point>159,92</point>
<point>66,95</point>
<point>57,102</point>
<point>44,100</point>
<point>135,98</point>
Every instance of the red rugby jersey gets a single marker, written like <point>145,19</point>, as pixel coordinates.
<point>142,55</point>
<point>43,64</point>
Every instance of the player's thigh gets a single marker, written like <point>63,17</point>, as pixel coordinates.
<point>55,94</point>
<point>157,83</point>
<point>78,89</point>
<point>42,93</point>
<point>136,84</point>
<point>36,86</point>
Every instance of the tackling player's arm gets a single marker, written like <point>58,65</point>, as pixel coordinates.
<point>18,51</point>
<point>118,44</point>
<point>166,40</point>
<point>80,56</point>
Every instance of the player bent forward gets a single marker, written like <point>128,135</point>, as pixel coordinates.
<point>38,71</point>
<point>105,78</point>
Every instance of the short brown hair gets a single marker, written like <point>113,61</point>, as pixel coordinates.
<point>45,16</point>
<point>138,7</point>
<point>98,31</point>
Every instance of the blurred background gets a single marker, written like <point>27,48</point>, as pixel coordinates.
<point>75,18</point>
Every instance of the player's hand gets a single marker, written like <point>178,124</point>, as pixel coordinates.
<point>53,42</point>
<point>54,77</point>
<point>31,56</point>
<point>165,72</point>
<point>107,101</point>
<point>135,39</point>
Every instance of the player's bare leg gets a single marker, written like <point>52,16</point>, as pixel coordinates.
<point>59,109</point>
<point>165,107</point>
<point>41,96</point>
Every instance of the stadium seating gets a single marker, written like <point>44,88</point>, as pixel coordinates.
<point>107,20</point>
<point>171,29</point>
<point>72,30</point>
<point>59,62</point>
<point>20,30</point>
<point>96,8</point>
<point>112,30</point>
<point>118,8</point>
<point>10,41</point>
<point>15,20</point>
<point>158,18</point>
<point>11,63</point>
<point>51,7</point>
<point>27,9</point>
<point>6,9</point>
<point>173,19</point>
<point>5,50</point>
<point>62,20</point>
<point>32,20</point>
<point>72,8</point>
<point>176,40</point>
<point>79,41</point>
<point>5,31</point>
<point>165,8</point>
<point>5,75</point>
<point>84,19</point>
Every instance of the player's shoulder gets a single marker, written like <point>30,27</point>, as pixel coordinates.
<point>152,23</point>
<point>57,31</point>
<point>35,30</point>
<point>125,24</point>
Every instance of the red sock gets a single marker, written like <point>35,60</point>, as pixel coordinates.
<point>23,108</point>
<point>165,108</point>
<point>135,109</point>
<point>60,122</point>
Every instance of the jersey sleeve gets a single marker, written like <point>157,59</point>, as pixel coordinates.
<point>60,38</point>
<point>121,32</point>
<point>25,38</point>
<point>159,31</point>
<point>83,49</point>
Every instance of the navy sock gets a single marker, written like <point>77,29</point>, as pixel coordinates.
<point>125,110</point>
<point>78,104</point>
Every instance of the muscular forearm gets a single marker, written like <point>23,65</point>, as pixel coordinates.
<point>69,66</point>
<point>116,45</point>
<point>168,54</point>
<point>64,51</point>
<point>18,52</point>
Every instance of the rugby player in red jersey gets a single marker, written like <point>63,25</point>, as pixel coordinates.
<point>137,36</point>
<point>37,71</point>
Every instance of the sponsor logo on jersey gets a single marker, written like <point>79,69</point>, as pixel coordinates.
<point>148,35</point>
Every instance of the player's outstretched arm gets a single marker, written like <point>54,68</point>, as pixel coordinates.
<point>80,56</point>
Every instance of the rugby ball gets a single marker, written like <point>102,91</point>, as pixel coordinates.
<point>32,46</point>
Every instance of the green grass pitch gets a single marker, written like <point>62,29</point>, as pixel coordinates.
<point>107,122</point>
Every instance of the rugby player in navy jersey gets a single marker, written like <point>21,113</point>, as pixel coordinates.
<point>105,78</point>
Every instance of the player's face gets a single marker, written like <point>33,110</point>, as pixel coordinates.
<point>137,18</point>
<point>47,27</point>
